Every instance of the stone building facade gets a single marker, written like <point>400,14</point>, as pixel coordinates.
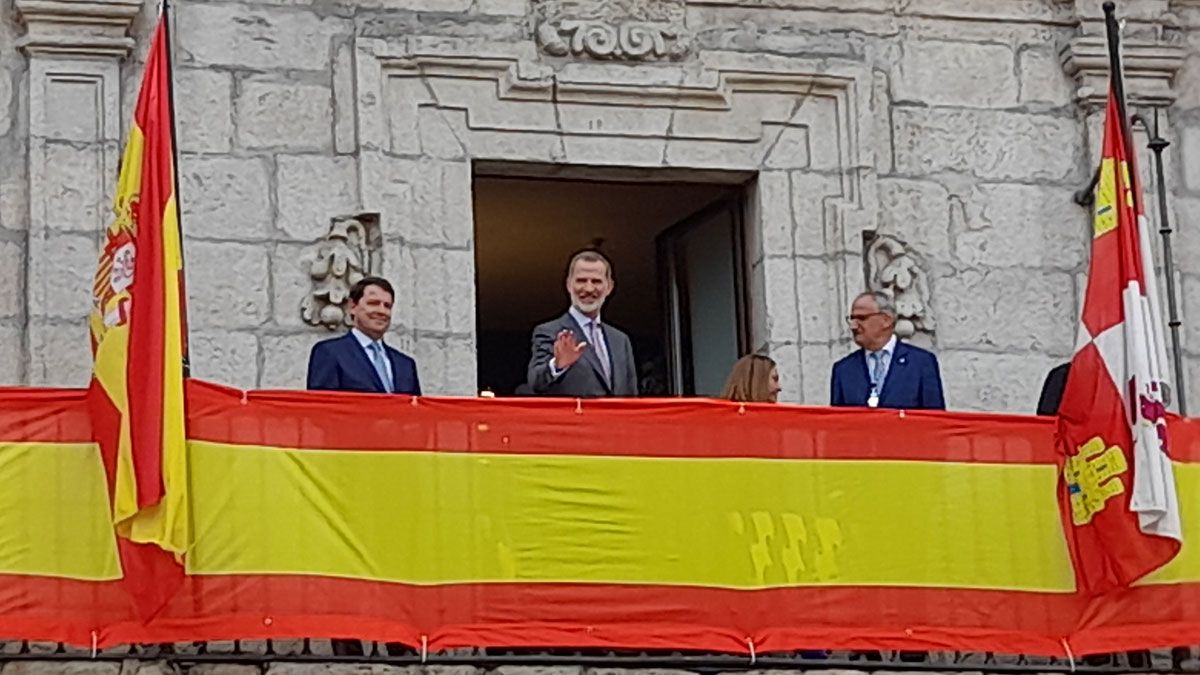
<point>929,147</point>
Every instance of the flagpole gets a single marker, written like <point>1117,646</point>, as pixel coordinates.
<point>1157,144</point>
<point>166,20</point>
<point>1116,75</point>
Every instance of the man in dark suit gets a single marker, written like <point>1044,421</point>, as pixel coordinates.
<point>577,355</point>
<point>884,372</point>
<point>1052,389</point>
<point>359,360</point>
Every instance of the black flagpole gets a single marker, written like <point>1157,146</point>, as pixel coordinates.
<point>1157,144</point>
<point>1115,75</point>
<point>166,21</point>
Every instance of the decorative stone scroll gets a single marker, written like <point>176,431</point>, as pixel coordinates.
<point>350,251</point>
<point>892,267</point>
<point>623,30</point>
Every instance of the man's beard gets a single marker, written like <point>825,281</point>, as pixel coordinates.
<point>587,308</point>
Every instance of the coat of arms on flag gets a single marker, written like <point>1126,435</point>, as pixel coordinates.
<point>138,344</point>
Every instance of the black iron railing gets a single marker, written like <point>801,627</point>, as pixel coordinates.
<point>258,652</point>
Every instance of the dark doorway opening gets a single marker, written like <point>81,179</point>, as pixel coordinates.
<point>678,254</point>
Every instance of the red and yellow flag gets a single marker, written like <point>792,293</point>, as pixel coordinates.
<point>1118,492</point>
<point>137,329</point>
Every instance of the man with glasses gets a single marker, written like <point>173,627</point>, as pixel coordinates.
<point>884,372</point>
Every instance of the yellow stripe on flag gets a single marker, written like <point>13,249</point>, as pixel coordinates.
<point>1185,567</point>
<point>431,518</point>
<point>54,517</point>
<point>167,523</point>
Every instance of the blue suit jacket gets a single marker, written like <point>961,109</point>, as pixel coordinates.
<point>913,380</point>
<point>341,364</point>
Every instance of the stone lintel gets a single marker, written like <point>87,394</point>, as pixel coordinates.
<point>1150,69</point>
<point>77,27</point>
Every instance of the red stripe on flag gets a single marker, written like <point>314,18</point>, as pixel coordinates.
<point>147,321</point>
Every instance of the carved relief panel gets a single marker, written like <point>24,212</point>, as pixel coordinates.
<point>623,30</point>
<point>894,268</point>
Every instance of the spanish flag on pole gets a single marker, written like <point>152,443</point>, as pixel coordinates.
<point>138,344</point>
<point>1118,491</point>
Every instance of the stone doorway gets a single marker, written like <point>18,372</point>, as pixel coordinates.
<point>678,255</point>
<point>431,116</point>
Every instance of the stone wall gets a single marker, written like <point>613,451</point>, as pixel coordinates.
<point>1184,179</point>
<point>954,132</point>
<point>14,195</point>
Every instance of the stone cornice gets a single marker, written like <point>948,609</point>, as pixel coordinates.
<point>1150,68</point>
<point>78,27</point>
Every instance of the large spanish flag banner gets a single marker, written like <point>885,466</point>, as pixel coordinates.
<point>138,345</point>
<point>1120,503</point>
<point>705,525</point>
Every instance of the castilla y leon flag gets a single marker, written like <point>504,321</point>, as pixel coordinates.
<point>1120,509</point>
<point>138,347</point>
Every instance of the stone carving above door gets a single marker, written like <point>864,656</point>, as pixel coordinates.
<point>350,251</point>
<point>613,30</point>
<point>893,267</point>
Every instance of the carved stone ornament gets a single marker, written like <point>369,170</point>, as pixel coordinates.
<point>1150,69</point>
<point>895,269</point>
<point>350,251</point>
<point>93,28</point>
<point>621,30</point>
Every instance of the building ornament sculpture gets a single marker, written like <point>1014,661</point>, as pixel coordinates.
<point>622,30</point>
<point>1150,68</point>
<point>894,268</point>
<point>351,250</point>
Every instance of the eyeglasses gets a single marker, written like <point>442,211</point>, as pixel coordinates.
<point>859,318</point>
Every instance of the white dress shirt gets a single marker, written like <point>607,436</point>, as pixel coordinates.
<point>885,355</point>
<point>365,341</point>
<point>584,322</point>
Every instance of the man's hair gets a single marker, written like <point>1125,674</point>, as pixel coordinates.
<point>590,255</point>
<point>360,287</point>
<point>882,300</point>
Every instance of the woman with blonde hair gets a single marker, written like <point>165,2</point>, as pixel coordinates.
<point>754,379</point>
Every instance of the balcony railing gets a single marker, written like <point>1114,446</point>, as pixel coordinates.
<point>262,652</point>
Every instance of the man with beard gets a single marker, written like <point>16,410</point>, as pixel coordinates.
<point>577,355</point>
<point>884,372</point>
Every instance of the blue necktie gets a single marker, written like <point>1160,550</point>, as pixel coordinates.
<point>377,357</point>
<point>876,372</point>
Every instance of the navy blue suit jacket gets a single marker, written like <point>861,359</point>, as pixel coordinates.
<point>913,380</point>
<point>341,364</point>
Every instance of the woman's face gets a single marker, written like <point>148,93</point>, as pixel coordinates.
<point>773,386</point>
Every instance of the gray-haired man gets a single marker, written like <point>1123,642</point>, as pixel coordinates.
<point>884,372</point>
